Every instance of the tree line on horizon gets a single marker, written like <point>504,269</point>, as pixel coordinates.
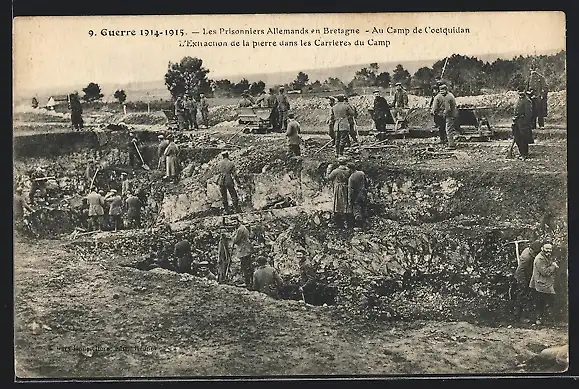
<point>467,75</point>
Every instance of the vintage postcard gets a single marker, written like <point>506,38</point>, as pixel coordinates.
<point>290,195</point>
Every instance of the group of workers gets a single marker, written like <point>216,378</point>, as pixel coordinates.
<point>278,103</point>
<point>534,281</point>
<point>186,109</point>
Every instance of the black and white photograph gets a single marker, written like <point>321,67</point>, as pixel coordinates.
<point>290,195</point>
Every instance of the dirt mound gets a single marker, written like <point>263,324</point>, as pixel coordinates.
<point>153,118</point>
<point>28,114</point>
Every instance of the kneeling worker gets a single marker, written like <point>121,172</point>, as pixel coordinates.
<point>266,279</point>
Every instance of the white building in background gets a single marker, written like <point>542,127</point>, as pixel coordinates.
<point>56,100</point>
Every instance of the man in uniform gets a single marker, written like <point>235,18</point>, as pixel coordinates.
<point>438,117</point>
<point>522,123</point>
<point>37,182</point>
<point>243,250</point>
<point>444,104</point>
<point>293,136</point>
<point>342,114</point>
<point>134,206</point>
<point>538,84</point>
<point>283,106</point>
<point>400,97</point>
<point>381,112</point>
<point>204,108</point>
<point>76,112</point>
<point>163,143</point>
<point>226,182</point>
<point>352,121</point>
<point>339,176</point>
<point>171,154</point>
<point>132,146</point>
<point>523,276</point>
<point>116,209</point>
<point>90,170</point>
<point>266,279</point>
<point>357,194</point>
<point>96,212</point>
<point>183,256</point>
<point>125,185</point>
<point>543,280</point>
<point>191,112</point>
<point>180,113</point>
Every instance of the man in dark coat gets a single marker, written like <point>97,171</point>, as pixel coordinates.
<point>522,123</point>
<point>134,159</point>
<point>331,120</point>
<point>293,136</point>
<point>204,109</point>
<point>522,292</point>
<point>339,177</point>
<point>381,112</point>
<point>183,256</point>
<point>357,194</point>
<point>134,206</point>
<point>191,112</point>
<point>438,117</point>
<point>163,143</point>
<point>76,112</point>
<point>180,112</point>
<point>226,181</point>
<point>271,102</point>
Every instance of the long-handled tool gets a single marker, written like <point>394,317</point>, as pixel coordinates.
<point>93,178</point>
<point>324,146</point>
<point>145,166</point>
<point>516,242</point>
<point>234,135</point>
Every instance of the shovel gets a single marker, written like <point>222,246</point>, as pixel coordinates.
<point>323,147</point>
<point>145,166</point>
<point>93,178</point>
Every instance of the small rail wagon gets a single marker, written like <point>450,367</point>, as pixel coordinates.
<point>473,123</point>
<point>255,120</point>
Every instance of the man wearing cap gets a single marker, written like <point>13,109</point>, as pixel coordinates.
<point>163,143</point>
<point>444,104</point>
<point>96,202</point>
<point>133,144</point>
<point>342,113</point>
<point>37,182</point>
<point>339,176</point>
<point>543,280</point>
<point>293,136</point>
<point>204,109</point>
<point>381,112</point>
<point>226,181</point>
<point>357,194</point>
<point>400,97</point>
<point>243,250</point>
<point>538,84</point>
<point>134,206</point>
<point>522,123</point>
<point>266,279</point>
<point>171,154</point>
<point>115,209</point>
<point>201,269</point>
<point>180,113</point>
<point>439,121</point>
<point>190,112</point>
<point>271,102</point>
<point>523,276</point>
<point>283,106</point>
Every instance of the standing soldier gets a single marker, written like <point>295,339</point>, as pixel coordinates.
<point>400,97</point>
<point>352,122</point>
<point>271,102</point>
<point>543,280</point>
<point>243,251</point>
<point>283,106</point>
<point>191,112</point>
<point>339,176</point>
<point>523,277</point>
<point>226,182</point>
<point>293,136</point>
<point>134,206</point>
<point>438,117</point>
<point>445,105</point>
<point>381,112</point>
<point>204,108</point>
<point>331,121</point>
<point>357,194</point>
<point>342,113</point>
<point>125,185</point>
<point>171,154</point>
<point>116,209</point>
<point>76,112</point>
<point>180,113</point>
<point>96,212</point>
<point>163,143</point>
<point>538,84</point>
<point>522,123</point>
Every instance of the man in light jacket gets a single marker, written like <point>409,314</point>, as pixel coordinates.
<point>444,105</point>
<point>293,136</point>
<point>543,280</point>
<point>243,250</point>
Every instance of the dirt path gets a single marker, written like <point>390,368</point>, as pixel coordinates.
<point>119,321</point>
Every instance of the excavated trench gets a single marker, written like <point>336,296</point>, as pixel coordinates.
<point>436,246</point>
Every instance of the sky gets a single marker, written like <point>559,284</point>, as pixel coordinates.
<point>58,51</point>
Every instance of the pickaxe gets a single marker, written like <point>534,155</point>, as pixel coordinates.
<point>516,242</point>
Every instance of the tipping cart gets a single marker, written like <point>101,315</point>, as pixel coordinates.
<point>396,124</point>
<point>473,123</point>
<point>255,120</point>
<point>171,118</point>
